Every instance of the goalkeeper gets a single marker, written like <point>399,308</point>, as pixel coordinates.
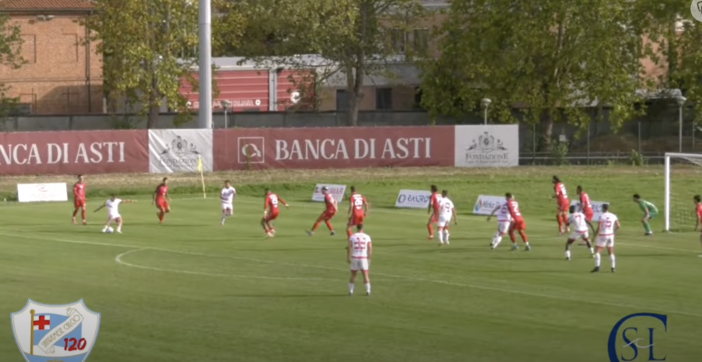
<point>650,211</point>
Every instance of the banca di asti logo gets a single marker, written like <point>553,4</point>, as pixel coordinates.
<point>55,333</point>
<point>486,149</point>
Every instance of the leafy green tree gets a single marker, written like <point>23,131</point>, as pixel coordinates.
<point>351,37</point>
<point>149,47</point>
<point>10,57</point>
<point>552,57</point>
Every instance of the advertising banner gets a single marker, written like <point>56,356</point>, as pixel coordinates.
<point>413,199</point>
<point>42,192</point>
<point>178,150</point>
<point>487,146</point>
<point>318,148</point>
<point>337,192</point>
<point>486,203</point>
<point>74,152</point>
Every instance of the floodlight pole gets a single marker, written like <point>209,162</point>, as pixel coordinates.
<point>205,64</point>
<point>681,102</point>
<point>226,105</point>
<point>485,102</point>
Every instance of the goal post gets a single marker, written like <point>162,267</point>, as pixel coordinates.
<point>682,174</point>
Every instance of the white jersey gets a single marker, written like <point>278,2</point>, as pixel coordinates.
<point>577,219</point>
<point>113,207</point>
<point>503,214</point>
<point>607,223</point>
<point>359,243</point>
<point>446,208</point>
<point>228,194</point>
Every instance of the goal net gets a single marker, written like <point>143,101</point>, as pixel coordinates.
<point>683,173</point>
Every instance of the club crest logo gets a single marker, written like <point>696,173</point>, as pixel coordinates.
<point>486,150</point>
<point>55,333</point>
<point>181,148</point>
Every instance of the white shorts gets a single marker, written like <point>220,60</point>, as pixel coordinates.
<point>227,206</point>
<point>443,221</point>
<point>605,241</point>
<point>503,226</point>
<point>114,216</point>
<point>359,264</point>
<point>579,234</point>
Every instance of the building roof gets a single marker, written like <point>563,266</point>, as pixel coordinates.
<point>44,5</point>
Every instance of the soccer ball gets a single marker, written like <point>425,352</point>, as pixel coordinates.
<point>110,230</point>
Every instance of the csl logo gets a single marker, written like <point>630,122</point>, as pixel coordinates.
<point>637,337</point>
<point>420,199</point>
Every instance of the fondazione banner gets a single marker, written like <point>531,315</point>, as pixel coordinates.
<point>178,150</point>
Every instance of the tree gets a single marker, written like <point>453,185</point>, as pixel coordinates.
<point>554,57</point>
<point>149,47</point>
<point>352,38</point>
<point>10,57</point>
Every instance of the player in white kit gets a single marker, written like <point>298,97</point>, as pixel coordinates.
<point>228,195</point>
<point>448,212</point>
<point>580,231</point>
<point>608,226</point>
<point>113,215</point>
<point>358,254</point>
<point>504,219</point>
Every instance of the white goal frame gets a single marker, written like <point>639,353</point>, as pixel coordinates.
<point>668,206</point>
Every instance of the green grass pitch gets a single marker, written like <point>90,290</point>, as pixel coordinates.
<point>192,290</point>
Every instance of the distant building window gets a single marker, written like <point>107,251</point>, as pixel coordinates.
<point>420,39</point>
<point>397,37</point>
<point>383,98</point>
<point>342,100</point>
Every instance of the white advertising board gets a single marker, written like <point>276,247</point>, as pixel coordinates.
<point>413,199</point>
<point>42,192</point>
<point>337,192</point>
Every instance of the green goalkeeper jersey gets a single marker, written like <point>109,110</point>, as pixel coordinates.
<point>647,206</point>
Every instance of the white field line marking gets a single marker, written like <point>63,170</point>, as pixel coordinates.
<point>408,278</point>
<point>119,260</point>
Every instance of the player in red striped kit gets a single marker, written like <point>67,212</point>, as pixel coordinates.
<point>561,196</point>
<point>79,200</point>
<point>329,212</point>
<point>518,222</point>
<point>271,212</point>
<point>586,207</point>
<point>434,209</point>
<point>161,200</point>
<point>358,209</point>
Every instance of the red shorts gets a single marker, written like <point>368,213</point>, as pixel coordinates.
<point>589,214</point>
<point>434,218</point>
<point>519,225</point>
<point>272,215</point>
<point>563,205</point>
<point>162,205</point>
<point>327,215</point>
<point>79,203</point>
<point>356,219</point>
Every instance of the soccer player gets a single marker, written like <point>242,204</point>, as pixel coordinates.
<point>518,222</point>
<point>698,202</point>
<point>113,215</point>
<point>434,210</point>
<point>271,212</point>
<point>227,195</point>
<point>608,226</point>
<point>580,231</point>
<point>79,199</point>
<point>161,199</point>
<point>358,209</point>
<point>650,211</point>
<point>561,196</point>
<point>358,254</point>
<point>448,212</point>
<point>585,207</point>
<point>330,210</point>
<point>503,222</point>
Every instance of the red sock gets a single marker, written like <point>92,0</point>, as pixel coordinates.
<point>523,235</point>
<point>316,225</point>
<point>329,225</point>
<point>160,216</point>
<point>431,230</point>
<point>511,236</point>
<point>560,222</point>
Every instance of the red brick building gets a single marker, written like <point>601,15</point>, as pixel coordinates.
<point>62,73</point>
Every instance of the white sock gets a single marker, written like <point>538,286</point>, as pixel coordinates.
<point>351,285</point>
<point>119,228</point>
<point>597,260</point>
<point>568,253</point>
<point>613,260</point>
<point>526,243</point>
<point>446,237</point>
<point>104,229</point>
<point>223,219</point>
<point>368,288</point>
<point>496,240</point>
<point>441,236</point>
<point>592,251</point>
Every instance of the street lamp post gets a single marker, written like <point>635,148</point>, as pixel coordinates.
<point>681,102</point>
<point>226,104</point>
<point>485,103</point>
